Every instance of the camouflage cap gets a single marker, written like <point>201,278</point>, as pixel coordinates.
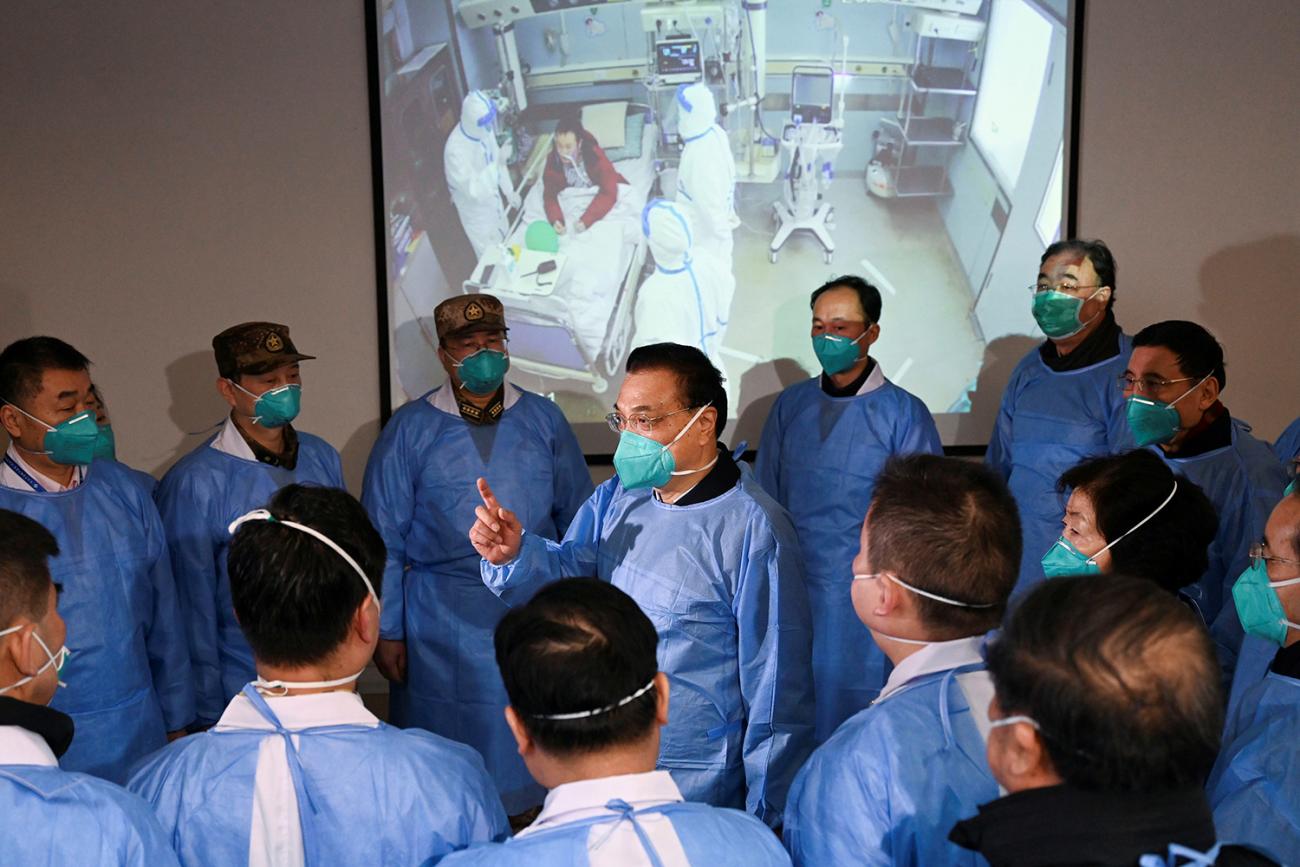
<point>253,348</point>
<point>467,314</point>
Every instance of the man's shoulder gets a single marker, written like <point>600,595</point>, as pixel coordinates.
<point>67,793</point>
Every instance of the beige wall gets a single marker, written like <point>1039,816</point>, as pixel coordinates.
<point>1188,170</point>
<point>172,168</point>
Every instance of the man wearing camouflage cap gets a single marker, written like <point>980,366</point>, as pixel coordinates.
<point>256,452</point>
<point>438,618</point>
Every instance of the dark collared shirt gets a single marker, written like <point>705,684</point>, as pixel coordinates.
<point>1095,348</point>
<point>853,387</point>
<point>720,479</point>
<point>287,458</point>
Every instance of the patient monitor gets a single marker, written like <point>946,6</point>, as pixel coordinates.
<point>678,61</point>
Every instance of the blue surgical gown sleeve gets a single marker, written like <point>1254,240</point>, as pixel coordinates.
<point>919,434</point>
<point>838,813</point>
<point>572,478</point>
<point>998,455</point>
<point>388,494</point>
<point>775,656</point>
<point>542,560</point>
<point>186,513</point>
<point>165,641</point>
<point>767,470</point>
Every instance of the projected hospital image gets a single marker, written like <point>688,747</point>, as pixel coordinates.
<point>621,173</point>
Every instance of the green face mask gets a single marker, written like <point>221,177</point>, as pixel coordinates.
<point>72,441</point>
<point>1154,421</point>
<point>1058,313</point>
<point>836,354</point>
<point>484,371</point>
<point>1258,608</point>
<point>105,444</point>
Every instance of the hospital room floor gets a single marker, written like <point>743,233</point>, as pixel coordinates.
<point>928,344</point>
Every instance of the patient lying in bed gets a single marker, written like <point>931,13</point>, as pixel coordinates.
<point>577,161</point>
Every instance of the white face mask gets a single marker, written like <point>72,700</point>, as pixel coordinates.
<point>919,592</point>
<point>281,687</point>
<point>55,659</point>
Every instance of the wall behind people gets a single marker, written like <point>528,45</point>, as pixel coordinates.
<point>171,169</point>
<point>1188,172</point>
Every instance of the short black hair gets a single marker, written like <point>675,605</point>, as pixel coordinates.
<point>868,295</point>
<point>579,644</point>
<point>1121,678</point>
<point>1096,251</point>
<point>699,382</point>
<point>571,121</point>
<point>295,597</point>
<point>1199,354</point>
<point>949,527</point>
<point>23,364</point>
<point>1172,548</point>
<point>25,549</point>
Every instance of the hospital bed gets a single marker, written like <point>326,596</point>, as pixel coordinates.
<point>577,324</point>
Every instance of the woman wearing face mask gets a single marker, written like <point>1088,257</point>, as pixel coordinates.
<point>1129,513</point>
<point>576,160</point>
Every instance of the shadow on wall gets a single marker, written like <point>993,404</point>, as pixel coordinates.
<point>196,409</point>
<point>355,452</point>
<point>760,386</point>
<point>1240,291</point>
<point>1000,358</point>
<point>15,325</point>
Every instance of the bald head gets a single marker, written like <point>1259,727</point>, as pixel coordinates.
<point>1121,678</point>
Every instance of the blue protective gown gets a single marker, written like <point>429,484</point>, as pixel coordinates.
<point>52,816</point>
<point>723,583</point>
<point>1244,482</point>
<point>819,457</point>
<point>198,498</point>
<point>710,837</point>
<point>366,795</point>
<point>1254,783</point>
<point>420,492</point>
<point>1047,423</point>
<point>892,781</point>
<point>129,674</point>
<point>1287,447</point>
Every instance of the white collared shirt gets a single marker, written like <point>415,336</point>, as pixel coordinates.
<point>19,746</point>
<point>939,656</point>
<point>444,398</point>
<point>617,845</point>
<point>275,838</point>
<point>10,479</point>
<point>230,441</point>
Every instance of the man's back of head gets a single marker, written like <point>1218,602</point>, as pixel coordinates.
<point>1120,680</point>
<point>580,669</point>
<point>31,629</point>
<point>296,597</point>
<point>949,532</point>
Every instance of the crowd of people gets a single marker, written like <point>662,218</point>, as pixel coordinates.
<point>1084,651</point>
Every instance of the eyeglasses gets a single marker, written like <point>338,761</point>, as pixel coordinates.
<point>1257,554</point>
<point>1069,287</point>
<point>640,422</point>
<point>1147,384</point>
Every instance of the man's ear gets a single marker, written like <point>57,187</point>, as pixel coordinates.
<point>365,622</point>
<point>889,599</point>
<point>661,698</point>
<point>708,424</point>
<point>523,740</point>
<point>226,390</point>
<point>17,648</point>
<point>9,418</point>
<point>1209,393</point>
<point>1026,757</point>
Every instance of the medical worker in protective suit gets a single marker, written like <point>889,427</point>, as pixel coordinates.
<point>297,771</point>
<point>477,175</point>
<point>1172,385</point>
<point>587,707</point>
<point>436,640</point>
<point>49,815</point>
<point>678,302</point>
<point>1061,404</point>
<point>706,179</point>
<point>131,687</point>
<point>824,442</point>
<point>1253,786</point>
<point>939,554</point>
<point>256,452</point>
<point>712,560</point>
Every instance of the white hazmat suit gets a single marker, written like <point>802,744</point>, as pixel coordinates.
<point>475,173</point>
<point>706,179</point>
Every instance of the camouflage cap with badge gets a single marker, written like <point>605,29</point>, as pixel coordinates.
<point>254,348</point>
<point>468,314</point>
